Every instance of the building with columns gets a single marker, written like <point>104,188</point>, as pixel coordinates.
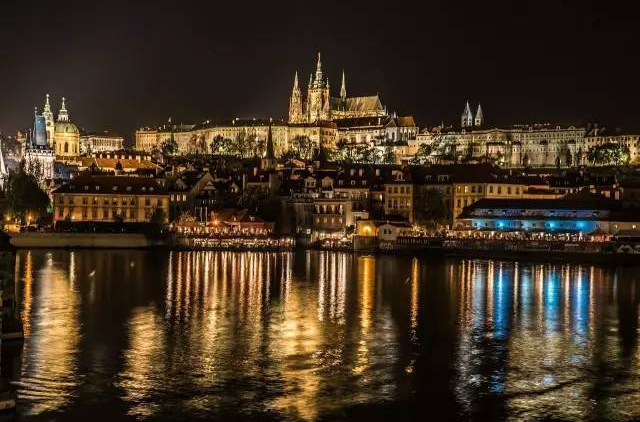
<point>100,142</point>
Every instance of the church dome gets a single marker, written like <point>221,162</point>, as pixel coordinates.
<point>66,127</point>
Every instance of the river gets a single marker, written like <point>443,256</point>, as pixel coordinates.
<point>305,336</point>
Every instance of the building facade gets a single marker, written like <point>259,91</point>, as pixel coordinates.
<point>100,142</point>
<point>107,198</point>
<point>538,145</point>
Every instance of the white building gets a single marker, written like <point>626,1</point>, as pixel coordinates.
<point>100,142</point>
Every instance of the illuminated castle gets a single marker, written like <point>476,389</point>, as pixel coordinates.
<point>319,105</point>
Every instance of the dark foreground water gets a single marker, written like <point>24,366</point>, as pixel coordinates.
<point>118,335</point>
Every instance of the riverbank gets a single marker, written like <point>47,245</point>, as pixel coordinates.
<point>602,252</point>
<point>53,240</point>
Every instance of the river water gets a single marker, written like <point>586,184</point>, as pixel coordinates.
<point>138,335</point>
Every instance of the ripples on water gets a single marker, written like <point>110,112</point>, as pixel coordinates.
<point>307,336</point>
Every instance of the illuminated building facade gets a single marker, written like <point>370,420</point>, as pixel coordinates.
<point>580,213</point>
<point>100,142</point>
<point>106,198</point>
<point>538,145</point>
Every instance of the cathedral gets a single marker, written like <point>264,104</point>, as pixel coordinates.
<point>319,105</point>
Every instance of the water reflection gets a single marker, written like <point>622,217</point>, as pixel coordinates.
<point>50,303</point>
<point>302,336</point>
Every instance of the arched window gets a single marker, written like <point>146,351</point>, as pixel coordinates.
<point>66,147</point>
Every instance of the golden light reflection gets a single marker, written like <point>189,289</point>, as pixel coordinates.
<point>143,362</point>
<point>51,312</point>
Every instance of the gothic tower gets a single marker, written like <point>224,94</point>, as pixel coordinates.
<point>295,103</point>
<point>343,89</point>
<point>467,116</point>
<point>479,120</point>
<point>49,121</point>
<point>318,98</point>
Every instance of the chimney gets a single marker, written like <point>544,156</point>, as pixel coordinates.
<point>255,171</point>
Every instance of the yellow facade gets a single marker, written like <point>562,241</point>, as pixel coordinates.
<point>107,207</point>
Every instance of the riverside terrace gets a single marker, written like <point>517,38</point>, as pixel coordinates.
<point>578,215</point>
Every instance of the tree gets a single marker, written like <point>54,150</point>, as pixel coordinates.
<point>430,207</point>
<point>25,200</point>
<point>422,154</point>
<point>169,146</point>
<point>345,150</point>
<point>610,153</point>
<point>157,223</point>
<point>216,144</point>
<point>568,158</point>
<point>303,146</point>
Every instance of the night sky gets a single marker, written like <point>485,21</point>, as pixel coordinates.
<point>124,65</point>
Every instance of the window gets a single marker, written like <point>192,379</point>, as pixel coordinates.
<point>508,190</point>
<point>473,189</point>
<point>105,213</point>
<point>132,213</point>
<point>490,188</point>
<point>84,200</point>
<point>147,202</point>
<point>499,190</point>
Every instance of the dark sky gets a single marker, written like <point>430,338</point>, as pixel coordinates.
<point>123,64</point>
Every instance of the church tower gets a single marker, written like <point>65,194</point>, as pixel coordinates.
<point>467,117</point>
<point>318,98</point>
<point>343,89</point>
<point>49,121</point>
<point>268,162</point>
<point>63,114</point>
<point>295,103</point>
<point>479,120</point>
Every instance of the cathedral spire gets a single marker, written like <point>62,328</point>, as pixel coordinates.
<point>295,82</point>
<point>467,116</point>
<point>319,71</point>
<point>63,115</point>
<point>479,120</point>
<point>343,89</point>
